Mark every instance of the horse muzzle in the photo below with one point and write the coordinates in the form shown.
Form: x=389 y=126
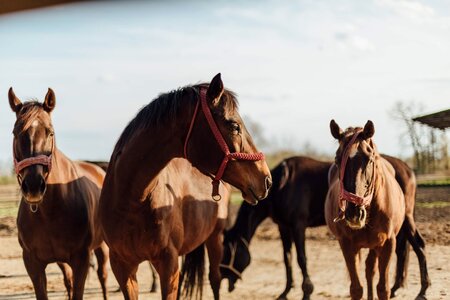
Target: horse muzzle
x=33 y=189
x=356 y=217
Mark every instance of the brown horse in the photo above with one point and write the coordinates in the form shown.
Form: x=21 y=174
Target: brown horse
x=155 y=207
x=296 y=201
x=365 y=206
x=57 y=219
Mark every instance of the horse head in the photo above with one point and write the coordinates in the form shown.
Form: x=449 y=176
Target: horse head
x=33 y=144
x=356 y=160
x=218 y=143
x=236 y=258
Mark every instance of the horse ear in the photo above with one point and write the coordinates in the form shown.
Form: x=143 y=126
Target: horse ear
x=215 y=90
x=369 y=130
x=336 y=131
x=50 y=101
x=14 y=102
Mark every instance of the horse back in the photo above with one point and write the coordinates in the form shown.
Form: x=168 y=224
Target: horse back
x=299 y=187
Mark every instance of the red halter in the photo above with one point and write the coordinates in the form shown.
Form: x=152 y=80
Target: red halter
x=345 y=195
x=220 y=140
x=34 y=160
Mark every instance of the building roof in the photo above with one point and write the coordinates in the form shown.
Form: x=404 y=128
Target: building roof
x=440 y=120
x=9 y=6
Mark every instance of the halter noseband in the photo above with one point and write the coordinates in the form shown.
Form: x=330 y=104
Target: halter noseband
x=233 y=249
x=221 y=141
x=345 y=195
x=45 y=160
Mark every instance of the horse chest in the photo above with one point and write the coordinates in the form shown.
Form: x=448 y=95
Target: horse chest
x=51 y=239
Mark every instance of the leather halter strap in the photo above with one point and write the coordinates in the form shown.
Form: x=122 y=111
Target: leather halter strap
x=220 y=140
x=42 y=159
x=233 y=249
x=345 y=195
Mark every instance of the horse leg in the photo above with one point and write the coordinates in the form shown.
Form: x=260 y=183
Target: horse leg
x=36 y=271
x=102 y=254
x=418 y=244
x=80 y=268
x=287 y=256
x=402 y=251
x=371 y=261
x=68 y=278
x=125 y=273
x=154 y=286
x=350 y=255
x=167 y=267
x=299 y=239
x=215 y=253
x=384 y=257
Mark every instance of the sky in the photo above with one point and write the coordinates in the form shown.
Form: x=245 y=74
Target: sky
x=295 y=65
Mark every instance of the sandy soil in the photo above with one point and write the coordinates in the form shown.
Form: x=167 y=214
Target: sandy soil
x=264 y=279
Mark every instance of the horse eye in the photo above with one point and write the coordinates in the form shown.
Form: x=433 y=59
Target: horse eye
x=236 y=128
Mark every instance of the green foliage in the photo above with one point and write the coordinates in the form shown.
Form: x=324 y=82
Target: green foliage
x=434 y=183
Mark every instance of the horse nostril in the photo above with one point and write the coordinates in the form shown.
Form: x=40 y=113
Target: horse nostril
x=268 y=182
x=362 y=214
x=42 y=186
x=25 y=188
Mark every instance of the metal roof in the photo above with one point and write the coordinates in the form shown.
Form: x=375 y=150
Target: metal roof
x=440 y=120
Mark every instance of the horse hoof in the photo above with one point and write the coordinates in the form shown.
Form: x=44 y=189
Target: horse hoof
x=421 y=297
x=307 y=287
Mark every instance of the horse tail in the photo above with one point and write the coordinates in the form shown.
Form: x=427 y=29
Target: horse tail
x=191 y=277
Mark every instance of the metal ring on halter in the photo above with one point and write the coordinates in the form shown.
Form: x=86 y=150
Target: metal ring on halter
x=34 y=208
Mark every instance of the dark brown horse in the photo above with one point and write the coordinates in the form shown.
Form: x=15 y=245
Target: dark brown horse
x=57 y=219
x=155 y=207
x=296 y=201
x=365 y=207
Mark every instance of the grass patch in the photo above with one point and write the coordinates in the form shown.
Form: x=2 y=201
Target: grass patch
x=5 y=180
x=434 y=183
x=436 y=204
x=236 y=198
x=9 y=211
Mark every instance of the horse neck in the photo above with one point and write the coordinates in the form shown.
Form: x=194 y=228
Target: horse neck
x=249 y=217
x=145 y=155
x=63 y=169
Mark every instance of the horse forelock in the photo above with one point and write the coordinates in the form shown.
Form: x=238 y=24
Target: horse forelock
x=31 y=112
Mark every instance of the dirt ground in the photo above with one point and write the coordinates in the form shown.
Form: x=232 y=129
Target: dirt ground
x=265 y=277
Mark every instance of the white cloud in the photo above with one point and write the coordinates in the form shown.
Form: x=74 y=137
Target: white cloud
x=409 y=8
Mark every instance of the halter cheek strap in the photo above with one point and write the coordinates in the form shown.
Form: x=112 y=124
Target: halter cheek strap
x=221 y=141
x=345 y=195
x=230 y=265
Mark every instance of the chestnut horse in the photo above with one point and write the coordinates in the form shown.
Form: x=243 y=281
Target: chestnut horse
x=57 y=219
x=296 y=201
x=365 y=206
x=155 y=207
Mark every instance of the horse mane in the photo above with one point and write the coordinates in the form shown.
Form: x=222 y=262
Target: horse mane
x=29 y=112
x=167 y=107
